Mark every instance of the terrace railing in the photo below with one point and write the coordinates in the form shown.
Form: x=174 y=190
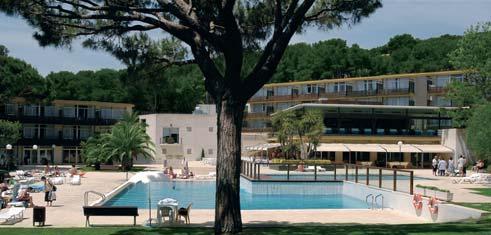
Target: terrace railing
x=388 y=178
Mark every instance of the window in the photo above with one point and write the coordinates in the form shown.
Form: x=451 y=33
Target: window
x=164 y=151
x=28 y=131
x=189 y=129
x=69 y=112
x=106 y=113
x=31 y=110
x=210 y=151
x=11 y=109
x=210 y=129
x=50 y=111
x=170 y=135
x=188 y=151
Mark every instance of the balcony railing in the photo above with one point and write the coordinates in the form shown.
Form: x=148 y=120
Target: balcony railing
x=257 y=115
x=316 y=96
x=265 y=129
x=438 y=90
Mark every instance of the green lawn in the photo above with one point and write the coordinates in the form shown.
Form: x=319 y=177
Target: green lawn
x=471 y=227
x=482 y=191
x=482 y=226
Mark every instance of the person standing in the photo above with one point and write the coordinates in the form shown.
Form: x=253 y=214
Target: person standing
x=442 y=166
x=451 y=167
x=460 y=165
x=434 y=164
x=49 y=189
x=464 y=169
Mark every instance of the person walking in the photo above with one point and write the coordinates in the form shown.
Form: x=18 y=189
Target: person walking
x=434 y=164
x=49 y=189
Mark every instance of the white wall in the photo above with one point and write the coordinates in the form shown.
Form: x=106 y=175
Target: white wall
x=198 y=138
x=402 y=202
x=455 y=140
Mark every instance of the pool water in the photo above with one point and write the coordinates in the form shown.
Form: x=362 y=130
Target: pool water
x=202 y=195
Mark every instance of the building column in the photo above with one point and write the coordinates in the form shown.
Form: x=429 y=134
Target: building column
x=338 y=157
x=373 y=156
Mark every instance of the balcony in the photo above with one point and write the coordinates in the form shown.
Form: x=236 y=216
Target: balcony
x=437 y=90
x=249 y=129
x=257 y=116
x=41 y=119
x=398 y=91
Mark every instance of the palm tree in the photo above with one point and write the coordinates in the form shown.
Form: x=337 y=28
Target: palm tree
x=127 y=140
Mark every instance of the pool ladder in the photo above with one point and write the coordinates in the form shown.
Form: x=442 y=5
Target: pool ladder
x=371 y=198
x=371 y=201
x=86 y=196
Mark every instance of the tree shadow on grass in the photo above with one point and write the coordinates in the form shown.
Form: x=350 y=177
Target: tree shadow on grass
x=272 y=227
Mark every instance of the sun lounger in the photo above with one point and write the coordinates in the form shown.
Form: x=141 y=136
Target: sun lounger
x=57 y=180
x=477 y=178
x=75 y=180
x=11 y=215
x=312 y=168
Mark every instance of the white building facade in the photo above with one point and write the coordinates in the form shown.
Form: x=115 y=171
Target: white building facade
x=183 y=136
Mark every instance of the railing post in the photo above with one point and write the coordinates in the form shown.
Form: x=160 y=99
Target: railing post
x=380 y=177
x=288 y=172
x=315 y=172
x=368 y=175
x=411 y=183
x=356 y=173
x=346 y=175
x=395 y=180
x=334 y=171
x=259 y=171
x=254 y=171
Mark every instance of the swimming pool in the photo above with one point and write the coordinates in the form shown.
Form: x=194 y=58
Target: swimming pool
x=202 y=195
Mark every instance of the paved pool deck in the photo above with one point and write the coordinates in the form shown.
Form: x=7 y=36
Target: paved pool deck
x=67 y=210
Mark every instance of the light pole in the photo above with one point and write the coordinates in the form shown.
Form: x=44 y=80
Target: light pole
x=400 y=147
x=35 y=147
x=53 y=154
x=9 y=156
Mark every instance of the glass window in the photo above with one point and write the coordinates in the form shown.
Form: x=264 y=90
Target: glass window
x=69 y=112
x=84 y=132
x=11 y=109
x=170 y=135
x=189 y=129
x=210 y=151
x=28 y=131
x=210 y=129
x=31 y=110
x=106 y=113
x=188 y=151
x=50 y=111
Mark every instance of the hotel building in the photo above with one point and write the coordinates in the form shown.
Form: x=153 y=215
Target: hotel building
x=54 y=130
x=380 y=110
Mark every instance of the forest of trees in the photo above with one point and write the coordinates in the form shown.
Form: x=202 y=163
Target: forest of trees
x=180 y=88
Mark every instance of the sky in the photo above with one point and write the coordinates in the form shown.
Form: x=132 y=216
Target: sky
x=421 y=18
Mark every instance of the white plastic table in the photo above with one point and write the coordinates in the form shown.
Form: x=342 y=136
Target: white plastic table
x=167 y=203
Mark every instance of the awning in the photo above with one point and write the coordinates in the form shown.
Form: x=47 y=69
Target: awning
x=332 y=148
x=433 y=148
x=365 y=148
x=405 y=148
x=262 y=147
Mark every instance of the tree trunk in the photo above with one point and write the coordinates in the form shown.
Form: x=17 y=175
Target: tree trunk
x=227 y=201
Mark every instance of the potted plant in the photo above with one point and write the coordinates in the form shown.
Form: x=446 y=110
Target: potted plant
x=432 y=191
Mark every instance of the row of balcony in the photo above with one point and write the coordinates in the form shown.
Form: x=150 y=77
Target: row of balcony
x=316 y=96
x=42 y=119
